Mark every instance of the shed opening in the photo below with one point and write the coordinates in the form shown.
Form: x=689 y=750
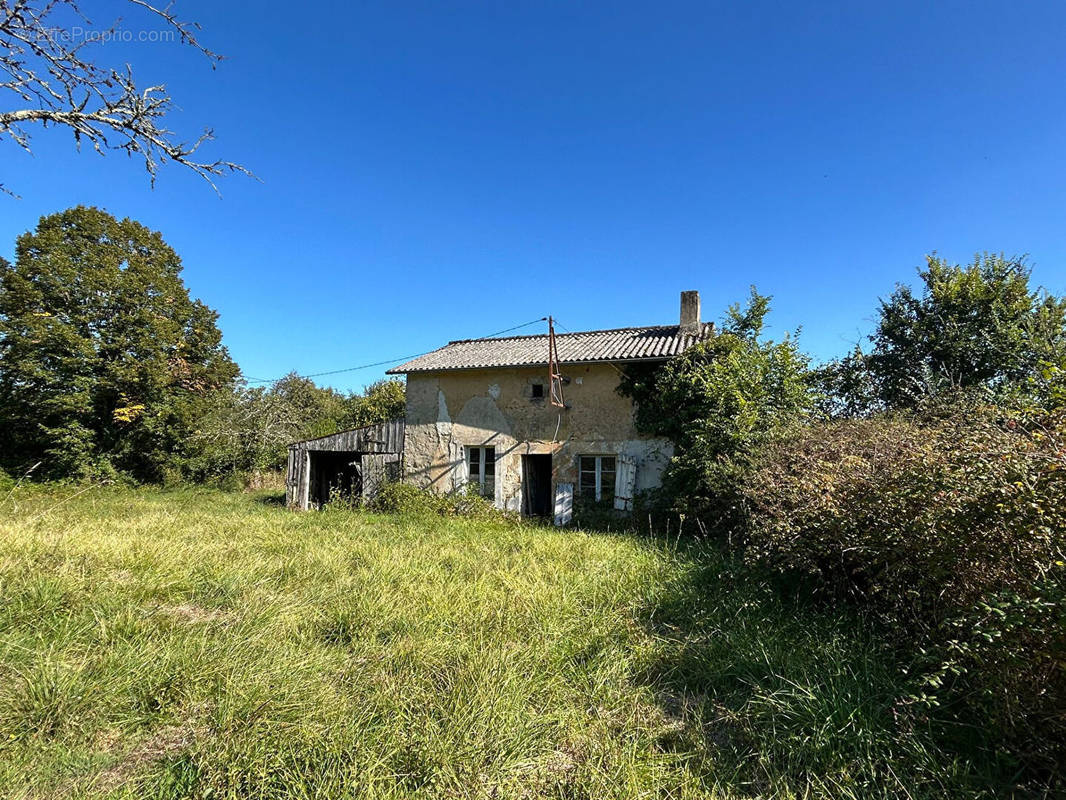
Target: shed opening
x=334 y=477
x=349 y=465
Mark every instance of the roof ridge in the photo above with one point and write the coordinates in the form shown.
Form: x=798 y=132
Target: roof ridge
x=569 y=333
x=636 y=343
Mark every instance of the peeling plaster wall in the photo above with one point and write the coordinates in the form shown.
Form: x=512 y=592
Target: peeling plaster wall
x=448 y=411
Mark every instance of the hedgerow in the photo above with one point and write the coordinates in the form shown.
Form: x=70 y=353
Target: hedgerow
x=952 y=527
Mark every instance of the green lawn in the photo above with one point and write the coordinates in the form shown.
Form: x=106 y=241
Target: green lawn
x=202 y=644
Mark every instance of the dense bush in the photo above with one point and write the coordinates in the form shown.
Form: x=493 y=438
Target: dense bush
x=951 y=526
x=718 y=402
x=403 y=498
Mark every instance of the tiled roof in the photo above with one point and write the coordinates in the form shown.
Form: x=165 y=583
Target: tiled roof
x=623 y=344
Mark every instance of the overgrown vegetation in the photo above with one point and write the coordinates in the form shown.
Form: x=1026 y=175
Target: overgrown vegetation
x=980 y=329
x=109 y=370
x=926 y=490
x=403 y=498
x=249 y=430
x=953 y=529
x=192 y=643
x=910 y=497
x=719 y=402
x=105 y=361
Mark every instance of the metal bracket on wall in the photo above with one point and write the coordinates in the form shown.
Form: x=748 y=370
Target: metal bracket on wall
x=555 y=379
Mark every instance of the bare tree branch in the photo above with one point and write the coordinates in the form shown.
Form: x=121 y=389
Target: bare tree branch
x=45 y=73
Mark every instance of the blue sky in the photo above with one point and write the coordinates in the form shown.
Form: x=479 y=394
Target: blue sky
x=436 y=171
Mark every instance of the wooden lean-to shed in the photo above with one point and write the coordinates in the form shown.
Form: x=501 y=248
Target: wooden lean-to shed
x=346 y=465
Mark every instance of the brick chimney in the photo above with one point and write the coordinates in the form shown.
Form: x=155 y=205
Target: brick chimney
x=690 y=313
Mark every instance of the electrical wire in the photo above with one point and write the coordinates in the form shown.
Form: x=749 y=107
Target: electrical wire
x=394 y=360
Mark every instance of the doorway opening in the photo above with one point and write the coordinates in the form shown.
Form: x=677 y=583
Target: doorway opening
x=334 y=476
x=537 y=485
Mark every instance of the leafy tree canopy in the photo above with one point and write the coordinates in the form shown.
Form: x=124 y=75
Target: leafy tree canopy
x=975 y=327
x=718 y=401
x=105 y=360
x=380 y=401
x=249 y=430
x=846 y=388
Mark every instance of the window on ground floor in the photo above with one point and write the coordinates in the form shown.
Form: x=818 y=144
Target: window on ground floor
x=597 y=477
x=481 y=464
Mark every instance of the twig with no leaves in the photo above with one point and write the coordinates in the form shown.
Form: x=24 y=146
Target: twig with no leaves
x=58 y=85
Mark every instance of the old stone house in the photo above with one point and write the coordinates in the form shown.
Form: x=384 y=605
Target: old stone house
x=478 y=415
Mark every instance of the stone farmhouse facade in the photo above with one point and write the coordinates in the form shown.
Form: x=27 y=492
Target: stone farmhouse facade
x=479 y=418
x=478 y=415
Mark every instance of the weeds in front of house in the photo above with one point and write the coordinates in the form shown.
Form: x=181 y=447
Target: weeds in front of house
x=192 y=643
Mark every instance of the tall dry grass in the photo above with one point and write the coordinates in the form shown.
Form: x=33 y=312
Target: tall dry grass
x=193 y=643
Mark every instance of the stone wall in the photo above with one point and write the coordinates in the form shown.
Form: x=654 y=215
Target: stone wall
x=448 y=411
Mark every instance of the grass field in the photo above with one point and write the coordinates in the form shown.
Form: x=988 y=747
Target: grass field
x=202 y=644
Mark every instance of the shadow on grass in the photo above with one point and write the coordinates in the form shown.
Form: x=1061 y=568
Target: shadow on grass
x=276 y=499
x=772 y=694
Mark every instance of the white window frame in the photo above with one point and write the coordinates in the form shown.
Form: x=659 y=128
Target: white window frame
x=482 y=451
x=599 y=474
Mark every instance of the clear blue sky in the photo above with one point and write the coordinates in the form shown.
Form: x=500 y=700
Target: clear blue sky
x=435 y=171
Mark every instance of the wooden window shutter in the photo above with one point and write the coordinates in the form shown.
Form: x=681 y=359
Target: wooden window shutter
x=625 y=479
x=564 y=503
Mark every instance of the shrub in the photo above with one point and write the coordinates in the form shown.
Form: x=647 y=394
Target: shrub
x=403 y=498
x=600 y=515
x=951 y=526
x=718 y=402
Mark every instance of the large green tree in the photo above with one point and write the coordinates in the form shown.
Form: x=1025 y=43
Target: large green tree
x=380 y=401
x=250 y=429
x=718 y=402
x=980 y=327
x=105 y=360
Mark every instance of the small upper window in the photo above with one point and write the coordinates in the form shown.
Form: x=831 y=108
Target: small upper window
x=538 y=391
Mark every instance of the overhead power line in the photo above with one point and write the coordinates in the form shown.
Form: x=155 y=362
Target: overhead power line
x=393 y=360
